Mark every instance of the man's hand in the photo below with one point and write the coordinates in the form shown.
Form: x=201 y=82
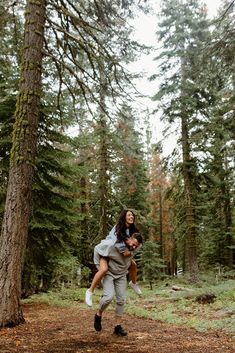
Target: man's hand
x=126 y=253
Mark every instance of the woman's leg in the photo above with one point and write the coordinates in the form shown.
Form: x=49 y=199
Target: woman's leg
x=103 y=269
x=133 y=277
x=133 y=272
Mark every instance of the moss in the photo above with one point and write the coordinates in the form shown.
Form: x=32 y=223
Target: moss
x=24 y=98
x=19 y=159
x=38 y=32
x=35 y=2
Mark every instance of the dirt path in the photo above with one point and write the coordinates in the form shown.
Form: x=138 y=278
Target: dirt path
x=61 y=330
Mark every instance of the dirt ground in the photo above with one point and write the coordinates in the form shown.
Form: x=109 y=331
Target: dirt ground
x=61 y=330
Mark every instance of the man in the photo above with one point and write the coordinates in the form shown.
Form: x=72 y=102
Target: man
x=114 y=281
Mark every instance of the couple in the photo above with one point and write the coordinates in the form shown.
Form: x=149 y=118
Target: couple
x=113 y=258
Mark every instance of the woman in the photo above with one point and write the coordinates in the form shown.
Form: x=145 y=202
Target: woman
x=124 y=228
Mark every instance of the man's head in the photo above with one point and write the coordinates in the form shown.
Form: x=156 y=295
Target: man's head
x=134 y=241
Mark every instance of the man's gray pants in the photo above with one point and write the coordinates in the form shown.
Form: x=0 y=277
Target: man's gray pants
x=112 y=286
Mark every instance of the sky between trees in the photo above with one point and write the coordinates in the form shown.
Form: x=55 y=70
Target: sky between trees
x=145 y=32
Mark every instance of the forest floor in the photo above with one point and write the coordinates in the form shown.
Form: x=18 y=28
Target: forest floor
x=54 y=329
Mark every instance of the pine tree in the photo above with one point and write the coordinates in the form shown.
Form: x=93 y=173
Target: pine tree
x=10 y=38
x=58 y=235
x=213 y=138
x=182 y=32
x=17 y=209
x=151 y=262
x=161 y=228
x=130 y=164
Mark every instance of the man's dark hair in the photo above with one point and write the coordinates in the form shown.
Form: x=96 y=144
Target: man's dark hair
x=138 y=237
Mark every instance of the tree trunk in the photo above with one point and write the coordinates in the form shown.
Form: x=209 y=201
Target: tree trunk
x=160 y=223
x=190 y=236
x=103 y=182
x=173 y=256
x=18 y=201
x=227 y=212
x=84 y=244
x=191 y=264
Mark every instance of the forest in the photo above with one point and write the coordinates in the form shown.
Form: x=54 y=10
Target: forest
x=76 y=148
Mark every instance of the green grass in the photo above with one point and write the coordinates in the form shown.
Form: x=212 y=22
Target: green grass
x=181 y=308
x=164 y=304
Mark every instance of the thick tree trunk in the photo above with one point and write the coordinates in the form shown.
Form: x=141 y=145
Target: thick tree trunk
x=18 y=201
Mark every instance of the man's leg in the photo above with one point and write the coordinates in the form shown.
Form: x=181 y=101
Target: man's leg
x=120 y=290
x=107 y=296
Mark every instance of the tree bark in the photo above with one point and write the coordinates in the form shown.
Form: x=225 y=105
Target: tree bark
x=18 y=201
x=190 y=236
x=84 y=243
x=191 y=264
x=160 y=223
x=103 y=187
x=227 y=211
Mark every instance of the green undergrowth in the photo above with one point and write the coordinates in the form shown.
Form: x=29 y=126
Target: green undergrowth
x=169 y=301
x=177 y=303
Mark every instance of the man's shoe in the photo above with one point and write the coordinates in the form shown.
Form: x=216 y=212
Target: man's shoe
x=118 y=330
x=135 y=287
x=97 y=323
x=88 y=298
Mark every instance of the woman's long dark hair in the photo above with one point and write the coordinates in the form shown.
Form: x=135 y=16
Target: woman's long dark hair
x=121 y=226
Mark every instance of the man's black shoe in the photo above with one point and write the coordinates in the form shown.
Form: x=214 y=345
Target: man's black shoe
x=97 y=323
x=118 y=330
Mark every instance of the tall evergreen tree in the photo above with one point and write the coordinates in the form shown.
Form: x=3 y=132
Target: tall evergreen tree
x=51 y=229
x=213 y=139
x=11 y=37
x=161 y=228
x=18 y=202
x=183 y=30
x=130 y=165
